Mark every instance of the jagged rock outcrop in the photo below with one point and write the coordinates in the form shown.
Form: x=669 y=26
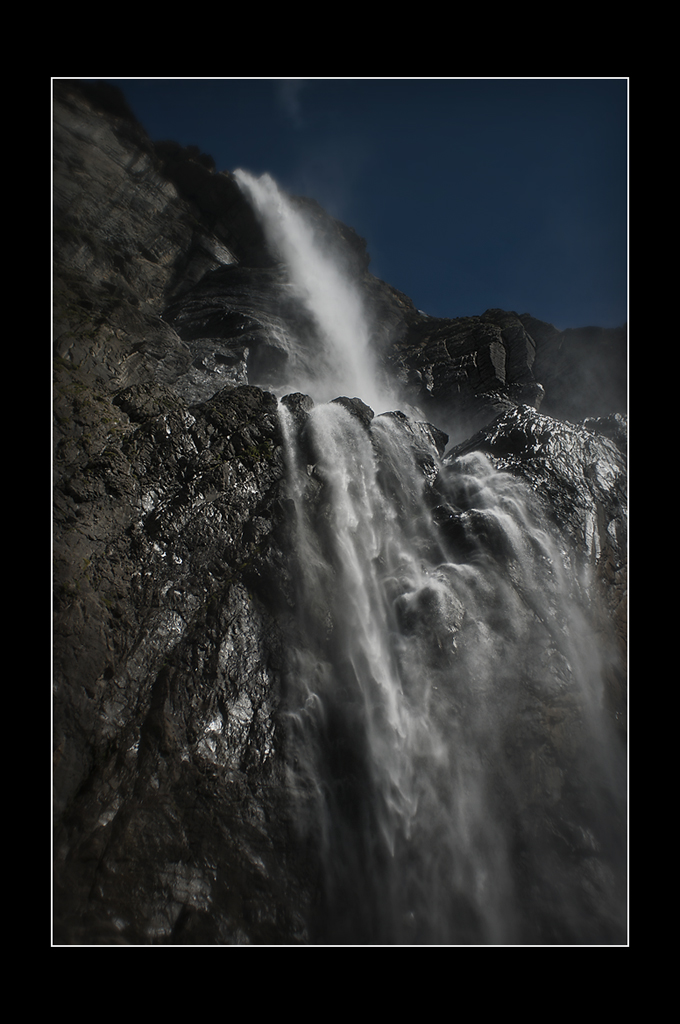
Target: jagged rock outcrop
x=172 y=587
x=167 y=675
x=468 y=370
x=578 y=473
x=167 y=657
x=584 y=370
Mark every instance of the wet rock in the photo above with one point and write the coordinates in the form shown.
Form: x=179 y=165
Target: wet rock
x=146 y=401
x=583 y=370
x=579 y=477
x=614 y=426
x=173 y=587
x=167 y=677
x=357 y=408
x=468 y=370
x=579 y=474
x=299 y=406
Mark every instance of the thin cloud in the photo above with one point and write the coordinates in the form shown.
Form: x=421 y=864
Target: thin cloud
x=289 y=90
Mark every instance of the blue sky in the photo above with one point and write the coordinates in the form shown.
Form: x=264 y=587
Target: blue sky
x=470 y=193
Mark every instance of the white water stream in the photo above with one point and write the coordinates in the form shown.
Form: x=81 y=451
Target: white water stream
x=452 y=761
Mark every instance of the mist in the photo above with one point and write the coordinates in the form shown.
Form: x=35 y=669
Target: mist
x=439 y=618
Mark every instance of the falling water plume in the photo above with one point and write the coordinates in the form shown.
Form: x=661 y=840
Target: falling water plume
x=453 y=765
x=341 y=362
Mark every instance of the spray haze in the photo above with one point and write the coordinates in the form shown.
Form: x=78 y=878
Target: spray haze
x=341 y=362
x=430 y=665
x=451 y=759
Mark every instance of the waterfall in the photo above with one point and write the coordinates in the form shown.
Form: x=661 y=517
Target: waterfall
x=449 y=755
x=341 y=361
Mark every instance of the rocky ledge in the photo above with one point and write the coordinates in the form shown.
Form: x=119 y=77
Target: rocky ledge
x=172 y=588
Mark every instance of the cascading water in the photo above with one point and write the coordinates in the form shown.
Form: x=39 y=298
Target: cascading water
x=451 y=761
x=341 y=361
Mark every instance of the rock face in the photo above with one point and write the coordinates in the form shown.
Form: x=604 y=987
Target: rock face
x=578 y=472
x=169 y=668
x=176 y=817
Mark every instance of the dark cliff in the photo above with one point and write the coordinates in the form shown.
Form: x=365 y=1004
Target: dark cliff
x=172 y=587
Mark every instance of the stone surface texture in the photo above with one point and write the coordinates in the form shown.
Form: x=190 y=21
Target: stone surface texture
x=172 y=591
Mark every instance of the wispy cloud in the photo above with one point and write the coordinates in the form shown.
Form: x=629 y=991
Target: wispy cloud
x=289 y=90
